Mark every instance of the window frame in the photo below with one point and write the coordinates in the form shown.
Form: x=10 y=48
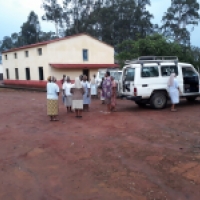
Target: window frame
x=15 y=55
x=6 y=57
x=87 y=57
x=26 y=54
x=148 y=67
x=169 y=65
x=39 y=51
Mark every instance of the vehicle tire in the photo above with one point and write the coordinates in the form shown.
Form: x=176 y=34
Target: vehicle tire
x=158 y=100
x=192 y=98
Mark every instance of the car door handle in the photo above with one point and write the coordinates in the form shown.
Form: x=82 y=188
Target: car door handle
x=145 y=85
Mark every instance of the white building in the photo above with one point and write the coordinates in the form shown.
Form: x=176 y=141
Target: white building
x=74 y=55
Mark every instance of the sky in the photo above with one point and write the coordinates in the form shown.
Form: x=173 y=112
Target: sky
x=13 y=13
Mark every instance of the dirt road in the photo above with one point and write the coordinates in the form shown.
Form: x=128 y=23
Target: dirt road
x=133 y=154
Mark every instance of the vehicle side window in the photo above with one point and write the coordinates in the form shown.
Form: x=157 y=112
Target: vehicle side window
x=188 y=72
x=167 y=70
x=149 y=72
x=129 y=74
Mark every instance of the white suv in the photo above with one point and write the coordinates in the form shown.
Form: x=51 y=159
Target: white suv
x=144 y=80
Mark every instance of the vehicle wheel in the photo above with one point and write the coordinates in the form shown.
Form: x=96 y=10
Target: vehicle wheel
x=192 y=98
x=158 y=100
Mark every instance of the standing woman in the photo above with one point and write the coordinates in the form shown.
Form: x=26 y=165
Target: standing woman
x=173 y=91
x=77 y=98
x=107 y=91
x=93 y=87
x=52 y=98
x=68 y=95
x=114 y=94
x=102 y=98
x=86 y=96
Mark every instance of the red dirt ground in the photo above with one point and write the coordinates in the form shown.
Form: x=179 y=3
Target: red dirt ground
x=133 y=154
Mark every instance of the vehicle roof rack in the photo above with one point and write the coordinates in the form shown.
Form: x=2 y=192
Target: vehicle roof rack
x=153 y=59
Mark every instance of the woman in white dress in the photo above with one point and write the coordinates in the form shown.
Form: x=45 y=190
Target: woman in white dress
x=52 y=98
x=86 y=96
x=173 y=91
x=77 y=98
x=93 y=87
x=68 y=95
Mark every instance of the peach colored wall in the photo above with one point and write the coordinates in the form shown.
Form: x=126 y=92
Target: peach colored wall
x=63 y=51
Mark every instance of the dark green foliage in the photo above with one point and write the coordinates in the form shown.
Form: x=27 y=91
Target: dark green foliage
x=157 y=45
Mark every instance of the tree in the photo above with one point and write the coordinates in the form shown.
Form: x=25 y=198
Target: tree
x=156 y=45
x=30 y=30
x=180 y=15
x=53 y=13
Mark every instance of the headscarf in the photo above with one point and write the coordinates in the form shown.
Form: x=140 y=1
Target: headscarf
x=49 y=79
x=171 y=79
x=77 y=83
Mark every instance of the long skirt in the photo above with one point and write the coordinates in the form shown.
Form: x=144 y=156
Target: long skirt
x=52 y=107
x=102 y=98
x=93 y=89
x=77 y=104
x=174 y=95
x=113 y=100
x=68 y=101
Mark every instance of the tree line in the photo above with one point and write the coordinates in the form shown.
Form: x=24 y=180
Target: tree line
x=116 y=22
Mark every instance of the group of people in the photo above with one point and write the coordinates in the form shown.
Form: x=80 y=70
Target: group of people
x=77 y=97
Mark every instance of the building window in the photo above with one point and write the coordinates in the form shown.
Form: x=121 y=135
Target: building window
x=7 y=73
x=15 y=55
x=40 y=51
x=16 y=74
x=28 y=77
x=85 y=55
x=6 y=57
x=26 y=53
x=41 y=74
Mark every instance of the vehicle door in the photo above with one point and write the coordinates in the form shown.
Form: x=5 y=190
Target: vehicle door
x=166 y=70
x=149 y=79
x=190 y=80
x=127 y=81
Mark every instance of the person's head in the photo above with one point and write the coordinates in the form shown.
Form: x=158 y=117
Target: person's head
x=107 y=74
x=81 y=77
x=68 y=79
x=64 y=76
x=53 y=79
x=49 y=79
x=84 y=78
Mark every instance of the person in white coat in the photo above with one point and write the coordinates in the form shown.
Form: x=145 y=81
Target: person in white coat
x=174 y=90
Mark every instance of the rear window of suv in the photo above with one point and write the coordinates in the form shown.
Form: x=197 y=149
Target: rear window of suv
x=130 y=74
x=168 y=69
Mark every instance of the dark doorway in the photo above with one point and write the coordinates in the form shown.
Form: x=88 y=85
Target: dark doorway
x=28 y=77
x=1 y=77
x=16 y=74
x=41 y=74
x=7 y=74
x=86 y=72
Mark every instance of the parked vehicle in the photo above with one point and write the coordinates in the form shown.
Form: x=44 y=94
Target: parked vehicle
x=144 y=80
